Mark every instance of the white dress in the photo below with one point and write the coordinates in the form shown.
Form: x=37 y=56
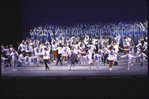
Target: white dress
x=88 y=59
x=111 y=55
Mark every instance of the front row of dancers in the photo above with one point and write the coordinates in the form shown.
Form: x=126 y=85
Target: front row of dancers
x=73 y=56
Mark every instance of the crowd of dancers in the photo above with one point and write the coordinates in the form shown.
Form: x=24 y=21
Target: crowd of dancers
x=82 y=44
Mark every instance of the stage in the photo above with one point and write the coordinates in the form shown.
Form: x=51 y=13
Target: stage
x=59 y=71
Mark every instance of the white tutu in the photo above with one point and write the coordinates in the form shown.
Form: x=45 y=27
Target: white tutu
x=111 y=58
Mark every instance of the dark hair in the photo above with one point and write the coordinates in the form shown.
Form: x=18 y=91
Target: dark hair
x=45 y=48
x=142 y=42
x=111 y=47
x=60 y=44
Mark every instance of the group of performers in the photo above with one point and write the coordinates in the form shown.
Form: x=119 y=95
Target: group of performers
x=132 y=29
x=80 y=45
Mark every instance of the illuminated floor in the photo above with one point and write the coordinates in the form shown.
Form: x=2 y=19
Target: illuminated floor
x=80 y=71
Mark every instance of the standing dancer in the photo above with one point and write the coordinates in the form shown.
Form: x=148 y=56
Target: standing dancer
x=36 y=49
x=72 y=57
x=128 y=58
x=64 y=53
x=142 y=59
x=111 y=57
x=131 y=48
x=83 y=53
x=59 y=54
x=27 y=61
x=14 y=55
x=91 y=48
x=2 y=62
x=97 y=59
x=46 y=56
x=78 y=55
x=88 y=60
x=54 y=47
x=20 y=60
x=116 y=49
x=7 y=52
x=125 y=46
x=31 y=59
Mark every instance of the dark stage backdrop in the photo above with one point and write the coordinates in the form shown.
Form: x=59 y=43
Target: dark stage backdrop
x=11 y=29
x=23 y=15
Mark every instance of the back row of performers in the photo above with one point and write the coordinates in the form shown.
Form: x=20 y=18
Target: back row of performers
x=74 y=50
x=134 y=30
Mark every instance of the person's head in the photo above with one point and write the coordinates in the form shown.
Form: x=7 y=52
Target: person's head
x=114 y=43
x=113 y=40
x=87 y=53
x=141 y=51
x=7 y=46
x=27 y=54
x=111 y=47
x=60 y=44
x=65 y=45
x=46 y=44
x=72 y=48
x=100 y=47
x=22 y=53
x=142 y=42
x=124 y=38
x=81 y=45
x=103 y=37
x=45 y=49
x=96 y=52
x=14 y=49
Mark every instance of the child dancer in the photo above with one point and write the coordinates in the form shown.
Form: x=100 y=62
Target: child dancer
x=142 y=58
x=83 y=53
x=116 y=49
x=7 y=52
x=46 y=56
x=128 y=58
x=111 y=57
x=2 y=62
x=105 y=54
x=101 y=53
x=131 y=48
x=78 y=55
x=91 y=48
x=27 y=61
x=31 y=60
x=125 y=45
x=36 y=49
x=20 y=60
x=59 y=54
x=88 y=60
x=97 y=59
x=138 y=49
x=64 y=53
x=14 y=55
x=54 y=47
x=72 y=58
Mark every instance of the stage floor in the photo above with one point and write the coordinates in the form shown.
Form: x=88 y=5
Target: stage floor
x=80 y=71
